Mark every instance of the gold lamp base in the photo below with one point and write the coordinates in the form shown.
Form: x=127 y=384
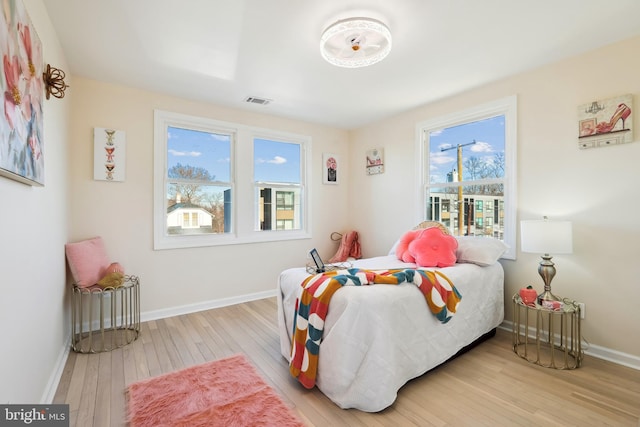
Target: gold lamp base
x=547 y=271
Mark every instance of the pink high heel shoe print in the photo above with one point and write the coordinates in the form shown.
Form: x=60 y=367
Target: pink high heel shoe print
x=621 y=113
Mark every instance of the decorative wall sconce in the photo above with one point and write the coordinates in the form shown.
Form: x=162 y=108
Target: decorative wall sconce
x=54 y=82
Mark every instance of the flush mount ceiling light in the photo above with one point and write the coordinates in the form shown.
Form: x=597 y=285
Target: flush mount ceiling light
x=355 y=42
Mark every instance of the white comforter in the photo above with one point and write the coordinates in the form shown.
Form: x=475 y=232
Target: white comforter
x=376 y=338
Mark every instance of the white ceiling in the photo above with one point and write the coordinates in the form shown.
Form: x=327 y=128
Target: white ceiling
x=222 y=51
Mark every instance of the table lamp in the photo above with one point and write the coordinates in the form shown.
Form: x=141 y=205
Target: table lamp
x=546 y=237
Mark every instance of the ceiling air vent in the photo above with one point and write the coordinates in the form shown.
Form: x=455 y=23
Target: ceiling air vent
x=256 y=100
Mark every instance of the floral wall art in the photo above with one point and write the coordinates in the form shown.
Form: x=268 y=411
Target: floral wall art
x=108 y=154
x=605 y=122
x=21 y=139
x=330 y=169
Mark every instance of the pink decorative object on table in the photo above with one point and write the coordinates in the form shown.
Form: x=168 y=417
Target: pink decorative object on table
x=528 y=296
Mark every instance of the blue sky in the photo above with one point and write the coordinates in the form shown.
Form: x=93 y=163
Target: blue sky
x=489 y=137
x=200 y=149
x=274 y=161
x=280 y=162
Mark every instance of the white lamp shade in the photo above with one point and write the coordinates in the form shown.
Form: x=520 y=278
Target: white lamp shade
x=546 y=237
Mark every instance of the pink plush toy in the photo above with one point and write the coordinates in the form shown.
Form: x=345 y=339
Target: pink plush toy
x=428 y=247
x=402 y=250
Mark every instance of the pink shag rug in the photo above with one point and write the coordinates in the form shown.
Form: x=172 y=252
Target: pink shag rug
x=226 y=392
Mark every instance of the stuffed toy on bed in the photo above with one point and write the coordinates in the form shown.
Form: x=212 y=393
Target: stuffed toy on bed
x=428 y=247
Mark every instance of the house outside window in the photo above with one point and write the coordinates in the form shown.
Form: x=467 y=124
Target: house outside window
x=467 y=167
x=203 y=170
x=184 y=218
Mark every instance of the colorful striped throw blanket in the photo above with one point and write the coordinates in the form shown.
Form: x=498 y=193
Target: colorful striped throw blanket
x=311 y=308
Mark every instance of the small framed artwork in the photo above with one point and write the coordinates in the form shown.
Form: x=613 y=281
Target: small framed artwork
x=605 y=122
x=108 y=154
x=375 y=161
x=330 y=169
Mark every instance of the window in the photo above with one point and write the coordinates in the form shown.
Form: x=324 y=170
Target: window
x=203 y=175
x=467 y=167
x=277 y=178
x=196 y=178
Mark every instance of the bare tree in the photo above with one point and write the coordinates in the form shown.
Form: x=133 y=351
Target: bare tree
x=214 y=203
x=478 y=168
x=189 y=192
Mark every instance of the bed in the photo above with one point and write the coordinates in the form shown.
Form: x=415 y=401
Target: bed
x=378 y=337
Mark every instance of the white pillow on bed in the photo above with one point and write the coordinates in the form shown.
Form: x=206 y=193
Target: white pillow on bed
x=392 y=251
x=479 y=250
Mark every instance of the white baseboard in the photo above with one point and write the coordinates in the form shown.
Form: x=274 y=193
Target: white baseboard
x=597 y=351
x=207 y=305
x=54 y=379
x=184 y=309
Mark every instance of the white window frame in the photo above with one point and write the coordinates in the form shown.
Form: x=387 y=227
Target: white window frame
x=243 y=208
x=505 y=106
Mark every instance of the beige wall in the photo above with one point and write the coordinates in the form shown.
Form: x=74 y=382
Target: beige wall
x=594 y=188
x=122 y=212
x=34 y=322
x=591 y=187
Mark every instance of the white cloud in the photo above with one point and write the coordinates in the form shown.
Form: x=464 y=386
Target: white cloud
x=185 y=153
x=218 y=137
x=441 y=158
x=277 y=160
x=481 y=147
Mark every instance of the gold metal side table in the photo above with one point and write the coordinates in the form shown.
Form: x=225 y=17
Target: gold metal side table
x=546 y=337
x=104 y=319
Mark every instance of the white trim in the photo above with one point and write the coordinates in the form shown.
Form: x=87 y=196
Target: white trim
x=49 y=392
x=206 y=305
x=599 y=352
x=242 y=184
x=618 y=357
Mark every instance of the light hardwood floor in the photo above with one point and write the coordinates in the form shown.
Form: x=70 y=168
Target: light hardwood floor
x=488 y=386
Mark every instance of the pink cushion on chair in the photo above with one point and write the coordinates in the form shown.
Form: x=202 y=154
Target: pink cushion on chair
x=88 y=261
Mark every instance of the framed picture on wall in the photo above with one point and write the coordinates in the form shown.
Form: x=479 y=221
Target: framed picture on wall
x=21 y=125
x=605 y=122
x=375 y=161
x=330 y=168
x=109 y=154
